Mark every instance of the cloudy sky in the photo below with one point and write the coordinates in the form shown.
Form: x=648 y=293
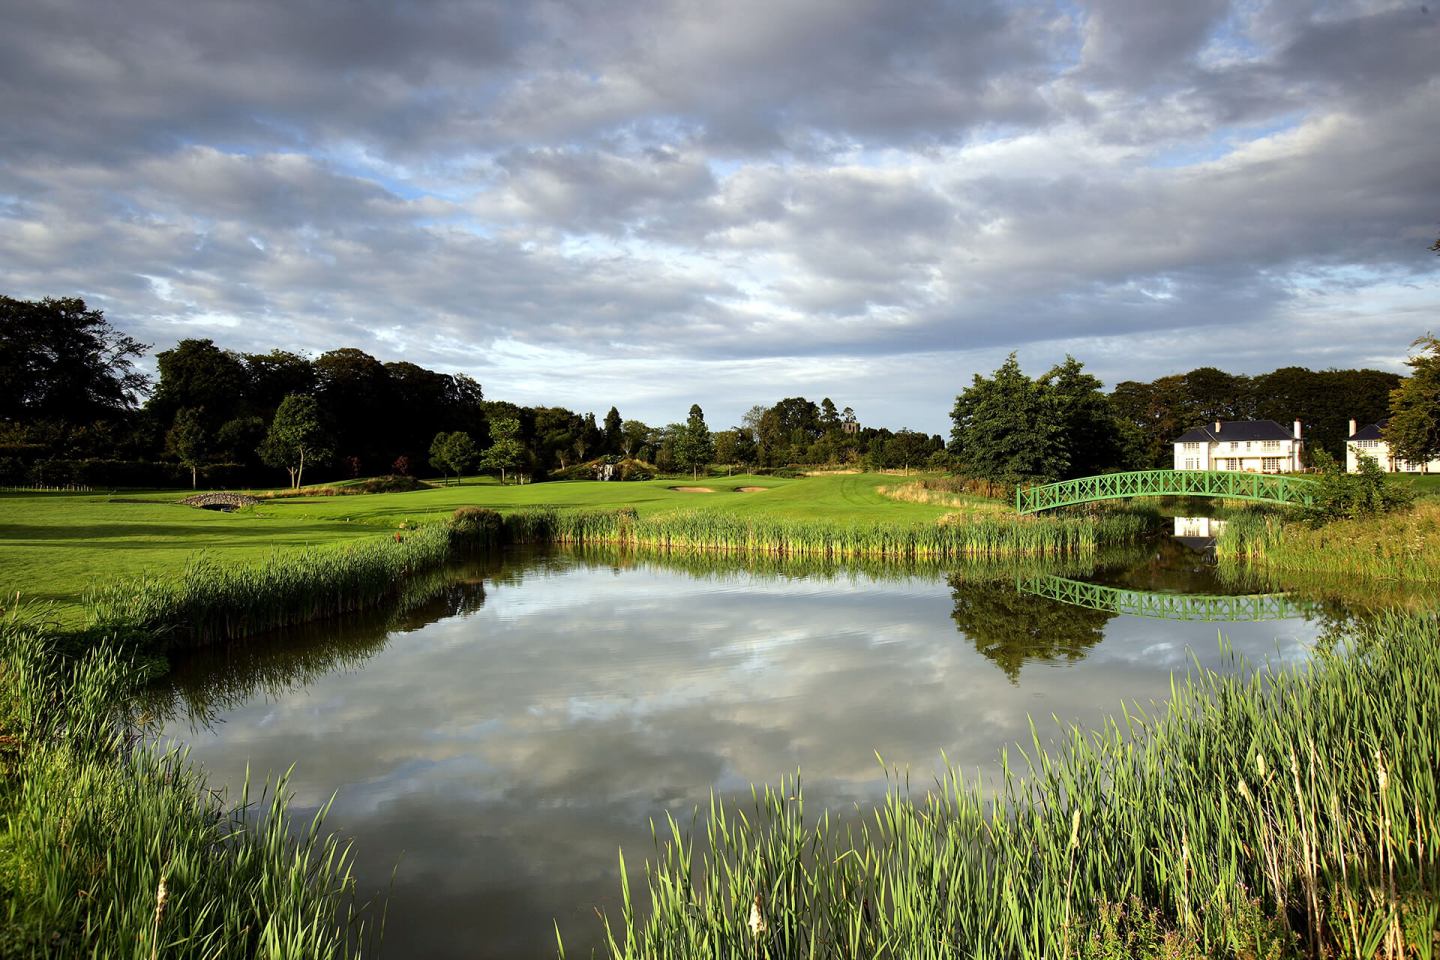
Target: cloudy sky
x=657 y=202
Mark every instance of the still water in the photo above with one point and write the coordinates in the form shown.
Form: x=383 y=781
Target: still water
x=492 y=752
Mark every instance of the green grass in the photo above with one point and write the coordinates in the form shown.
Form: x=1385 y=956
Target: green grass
x=1286 y=813
x=58 y=546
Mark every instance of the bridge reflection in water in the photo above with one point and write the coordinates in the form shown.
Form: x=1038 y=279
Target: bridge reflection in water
x=1168 y=606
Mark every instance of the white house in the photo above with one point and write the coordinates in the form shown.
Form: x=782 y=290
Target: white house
x=1370 y=442
x=1251 y=446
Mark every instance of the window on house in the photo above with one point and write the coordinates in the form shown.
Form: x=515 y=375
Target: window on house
x=1272 y=444
x=1272 y=463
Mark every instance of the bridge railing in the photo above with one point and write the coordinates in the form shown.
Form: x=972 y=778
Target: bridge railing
x=1228 y=484
x=1168 y=606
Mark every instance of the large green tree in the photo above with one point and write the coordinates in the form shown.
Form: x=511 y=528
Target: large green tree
x=1009 y=428
x=357 y=395
x=62 y=361
x=1091 y=431
x=297 y=437
x=694 y=447
x=189 y=441
x=505 y=452
x=613 y=425
x=633 y=434
x=197 y=375
x=453 y=452
x=1413 y=432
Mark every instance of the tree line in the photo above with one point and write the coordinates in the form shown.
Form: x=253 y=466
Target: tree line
x=73 y=400
x=71 y=397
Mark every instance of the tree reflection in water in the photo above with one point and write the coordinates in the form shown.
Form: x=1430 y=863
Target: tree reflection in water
x=1012 y=629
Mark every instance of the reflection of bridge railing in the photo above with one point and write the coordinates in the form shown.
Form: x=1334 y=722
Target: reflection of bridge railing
x=1166 y=606
x=1229 y=484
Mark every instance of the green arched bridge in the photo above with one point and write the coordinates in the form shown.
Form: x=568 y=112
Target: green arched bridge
x=1168 y=606
x=1229 y=484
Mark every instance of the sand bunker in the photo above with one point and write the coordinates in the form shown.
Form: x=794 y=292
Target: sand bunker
x=751 y=489
x=692 y=489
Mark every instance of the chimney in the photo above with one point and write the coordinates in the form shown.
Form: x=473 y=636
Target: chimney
x=1217 y=427
x=1297 y=429
x=1352 y=428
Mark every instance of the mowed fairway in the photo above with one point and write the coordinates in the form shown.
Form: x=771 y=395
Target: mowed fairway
x=54 y=546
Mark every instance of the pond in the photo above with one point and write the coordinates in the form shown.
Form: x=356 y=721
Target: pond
x=493 y=751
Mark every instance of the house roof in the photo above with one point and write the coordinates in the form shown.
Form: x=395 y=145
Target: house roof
x=1236 y=430
x=1375 y=431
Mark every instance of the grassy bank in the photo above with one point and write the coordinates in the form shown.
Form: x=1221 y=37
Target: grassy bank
x=109 y=847
x=1294 y=812
x=57 y=546
x=1404 y=545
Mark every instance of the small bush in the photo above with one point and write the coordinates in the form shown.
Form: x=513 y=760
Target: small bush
x=1347 y=496
x=394 y=483
x=476 y=527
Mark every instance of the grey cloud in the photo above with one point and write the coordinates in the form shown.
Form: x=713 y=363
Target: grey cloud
x=1143 y=43
x=760 y=192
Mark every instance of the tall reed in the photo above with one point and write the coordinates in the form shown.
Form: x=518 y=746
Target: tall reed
x=109 y=847
x=1404 y=545
x=702 y=531
x=214 y=601
x=1271 y=813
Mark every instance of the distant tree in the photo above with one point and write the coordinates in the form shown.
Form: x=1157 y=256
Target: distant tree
x=357 y=394
x=788 y=429
x=751 y=421
x=908 y=448
x=297 y=437
x=460 y=452
x=829 y=416
x=453 y=452
x=1009 y=428
x=694 y=448
x=506 y=452
x=1213 y=394
x=236 y=440
x=1413 y=432
x=188 y=441
x=401 y=466
x=632 y=438
x=60 y=360
x=734 y=447
x=664 y=440
x=613 y=426
x=556 y=432
x=271 y=377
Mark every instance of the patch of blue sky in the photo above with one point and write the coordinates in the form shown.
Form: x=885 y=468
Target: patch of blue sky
x=722 y=168
x=1221 y=142
x=1067 y=52
x=1232 y=40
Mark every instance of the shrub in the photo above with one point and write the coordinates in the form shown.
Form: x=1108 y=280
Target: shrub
x=1346 y=496
x=475 y=527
